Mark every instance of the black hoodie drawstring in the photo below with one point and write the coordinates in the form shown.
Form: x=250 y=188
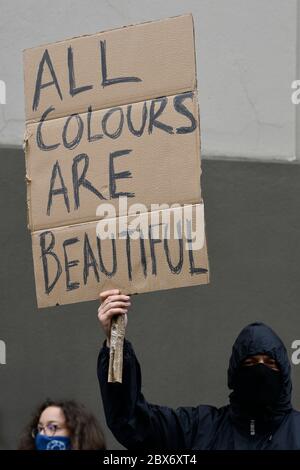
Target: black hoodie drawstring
x=252 y=427
x=252 y=430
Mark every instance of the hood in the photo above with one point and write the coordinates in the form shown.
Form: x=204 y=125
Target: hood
x=258 y=338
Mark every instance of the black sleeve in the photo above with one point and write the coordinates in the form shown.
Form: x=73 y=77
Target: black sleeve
x=135 y=423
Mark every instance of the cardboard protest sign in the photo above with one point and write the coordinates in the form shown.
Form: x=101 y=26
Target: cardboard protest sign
x=112 y=136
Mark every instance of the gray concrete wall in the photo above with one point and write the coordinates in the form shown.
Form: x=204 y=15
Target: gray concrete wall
x=252 y=215
x=246 y=57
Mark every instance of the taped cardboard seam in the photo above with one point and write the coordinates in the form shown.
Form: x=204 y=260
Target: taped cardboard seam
x=34 y=122
x=91 y=222
x=145 y=97
x=90 y=290
x=30 y=131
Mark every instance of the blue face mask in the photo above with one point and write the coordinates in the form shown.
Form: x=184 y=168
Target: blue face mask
x=43 y=442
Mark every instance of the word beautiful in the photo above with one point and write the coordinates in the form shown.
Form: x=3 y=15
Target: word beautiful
x=110 y=257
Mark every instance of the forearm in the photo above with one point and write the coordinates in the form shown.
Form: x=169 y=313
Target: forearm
x=123 y=402
x=135 y=423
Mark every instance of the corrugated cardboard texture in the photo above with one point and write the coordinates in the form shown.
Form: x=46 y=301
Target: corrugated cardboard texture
x=160 y=54
x=76 y=266
x=164 y=163
x=107 y=115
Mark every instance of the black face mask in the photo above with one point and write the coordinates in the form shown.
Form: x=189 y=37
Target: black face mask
x=257 y=387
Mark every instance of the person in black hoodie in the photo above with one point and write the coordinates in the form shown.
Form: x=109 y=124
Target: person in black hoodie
x=259 y=414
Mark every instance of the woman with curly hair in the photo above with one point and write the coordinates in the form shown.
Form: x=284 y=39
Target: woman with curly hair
x=62 y=425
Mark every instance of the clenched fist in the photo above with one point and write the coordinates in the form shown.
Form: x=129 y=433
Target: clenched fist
x=112 y=303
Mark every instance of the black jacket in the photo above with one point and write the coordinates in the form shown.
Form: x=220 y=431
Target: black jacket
x=137 y=424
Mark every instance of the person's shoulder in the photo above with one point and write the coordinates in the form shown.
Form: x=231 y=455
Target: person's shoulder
x=295 y=414
x=205 y=412
x=213 y=410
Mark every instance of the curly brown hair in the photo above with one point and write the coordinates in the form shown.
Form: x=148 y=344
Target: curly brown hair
x=85 y=431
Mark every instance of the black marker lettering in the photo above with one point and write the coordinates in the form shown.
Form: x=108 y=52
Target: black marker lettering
x=70 y=264
x=72 y=85
x=118 y=131
x=39 y=138
x=128 y=254
x=140 y=131
x=174 y=269
x=54 y=192
x=153 y=122
x=114 y=176
x=114 y=258
x=143 y=254
x=152 y=242
x=45 y=252
x=95 y=137
x=73 y=143
x=89 y=260
x=39 y=85
x=193 y=269
x=112 y=81
x=81 y=180
x=181 y=108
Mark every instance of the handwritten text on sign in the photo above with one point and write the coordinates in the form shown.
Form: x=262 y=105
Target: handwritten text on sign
x=102 y=124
